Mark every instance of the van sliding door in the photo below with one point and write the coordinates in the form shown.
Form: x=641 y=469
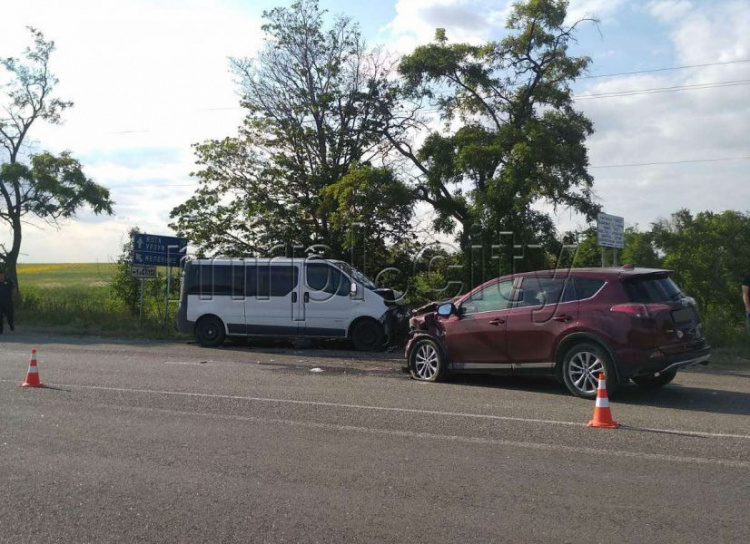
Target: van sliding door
x=272 y=299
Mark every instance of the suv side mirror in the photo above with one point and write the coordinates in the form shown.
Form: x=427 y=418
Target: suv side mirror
x=445 y=310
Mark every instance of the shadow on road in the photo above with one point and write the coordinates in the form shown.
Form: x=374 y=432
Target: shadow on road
x=674 y=396
x=682 y=397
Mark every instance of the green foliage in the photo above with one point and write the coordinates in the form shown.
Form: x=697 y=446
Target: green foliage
x=639 y=249
x=370 y=209
x=43 y=185
x=297 y=172
x=127 y=290
x=512 y=138
x=709 y=253
x=124 y=287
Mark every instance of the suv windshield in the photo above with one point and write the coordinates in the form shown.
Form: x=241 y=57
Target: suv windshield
x=649 y=289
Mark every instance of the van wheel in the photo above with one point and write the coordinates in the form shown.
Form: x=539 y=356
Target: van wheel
x=367 y=335
x=426 y=361
x=209 y=332
x=581 y=368
x=654 y=382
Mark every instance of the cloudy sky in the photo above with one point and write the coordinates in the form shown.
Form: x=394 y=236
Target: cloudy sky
x=149 y=78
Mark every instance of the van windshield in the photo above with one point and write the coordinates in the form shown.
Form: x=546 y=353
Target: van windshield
x=355 y=274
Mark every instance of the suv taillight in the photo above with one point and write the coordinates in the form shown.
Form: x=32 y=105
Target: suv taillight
x=640 y=310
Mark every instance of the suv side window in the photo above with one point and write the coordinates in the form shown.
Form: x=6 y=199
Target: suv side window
x=545 y=291
x=324 y=278
x=587 y=287
x=492 y=298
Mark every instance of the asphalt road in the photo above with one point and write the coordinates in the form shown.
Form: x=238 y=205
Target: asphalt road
x=155 y=442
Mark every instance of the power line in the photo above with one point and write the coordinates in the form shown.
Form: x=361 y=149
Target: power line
x=653 y=70
x=657 y=90
x=604 y=166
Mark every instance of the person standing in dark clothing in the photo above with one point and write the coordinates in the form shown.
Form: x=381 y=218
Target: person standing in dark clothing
x=6 y=302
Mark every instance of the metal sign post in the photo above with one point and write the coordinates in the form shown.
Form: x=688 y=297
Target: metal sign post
x=166 y=298
x=150 y=251
x=140 y=307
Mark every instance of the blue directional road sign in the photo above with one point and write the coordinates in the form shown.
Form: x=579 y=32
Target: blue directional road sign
x=150 y=249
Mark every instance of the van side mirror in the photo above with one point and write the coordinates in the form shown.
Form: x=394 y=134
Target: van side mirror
x=445 y=310
x=353 y=289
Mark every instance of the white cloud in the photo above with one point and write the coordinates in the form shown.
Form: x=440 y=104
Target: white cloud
x=669 y=10
x=604 y=10
x=144 y=75
x=675 y=126
x=469 y=21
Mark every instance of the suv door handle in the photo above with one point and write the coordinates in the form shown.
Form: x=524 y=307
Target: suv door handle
x=563 y=318
x=497 y=321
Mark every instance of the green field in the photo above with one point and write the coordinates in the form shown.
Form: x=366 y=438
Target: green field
x=55 y=276
x=77 y=298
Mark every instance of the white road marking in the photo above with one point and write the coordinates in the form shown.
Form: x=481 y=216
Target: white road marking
x=456 y=438
x=697 y=434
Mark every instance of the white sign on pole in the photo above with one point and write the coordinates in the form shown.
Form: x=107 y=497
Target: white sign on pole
x=143 y=272
x=610 y=230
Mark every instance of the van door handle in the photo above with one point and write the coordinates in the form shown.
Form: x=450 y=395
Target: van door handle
x=294 y=296
x=497 y=321
x=563 y=318
x=307 y=297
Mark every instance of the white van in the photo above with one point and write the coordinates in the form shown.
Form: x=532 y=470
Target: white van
x=286 y=298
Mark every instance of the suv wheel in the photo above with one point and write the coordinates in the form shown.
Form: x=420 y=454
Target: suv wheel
x=209 y=332
x=581 y=368
x=426 y=361
x=654 y=382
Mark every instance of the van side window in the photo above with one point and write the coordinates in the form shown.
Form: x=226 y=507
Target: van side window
x=326 y=279
x=265 y=281
x=214 y=279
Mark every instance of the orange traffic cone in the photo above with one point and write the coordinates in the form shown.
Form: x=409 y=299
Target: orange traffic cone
x=32 y=376
x=602 y=414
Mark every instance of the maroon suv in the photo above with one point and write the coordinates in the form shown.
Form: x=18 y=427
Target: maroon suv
x=632 y=323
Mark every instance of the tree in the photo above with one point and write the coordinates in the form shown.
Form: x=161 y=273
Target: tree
x=639 y=249
x=43 y=185
x=299 y=170
x=709 y=253
x=512 y=138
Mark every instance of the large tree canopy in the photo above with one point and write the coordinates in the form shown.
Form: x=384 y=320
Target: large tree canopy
x=512 y=138
x=301 y=170
x=43 y=185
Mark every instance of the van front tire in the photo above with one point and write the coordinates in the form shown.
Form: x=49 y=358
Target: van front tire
x=367 y=335
x=209 y=332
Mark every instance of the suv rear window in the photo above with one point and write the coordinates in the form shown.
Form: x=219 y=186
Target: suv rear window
x=645 y=290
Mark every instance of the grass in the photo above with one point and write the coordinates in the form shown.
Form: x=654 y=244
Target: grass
x=731 y=358
x=75 y=298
